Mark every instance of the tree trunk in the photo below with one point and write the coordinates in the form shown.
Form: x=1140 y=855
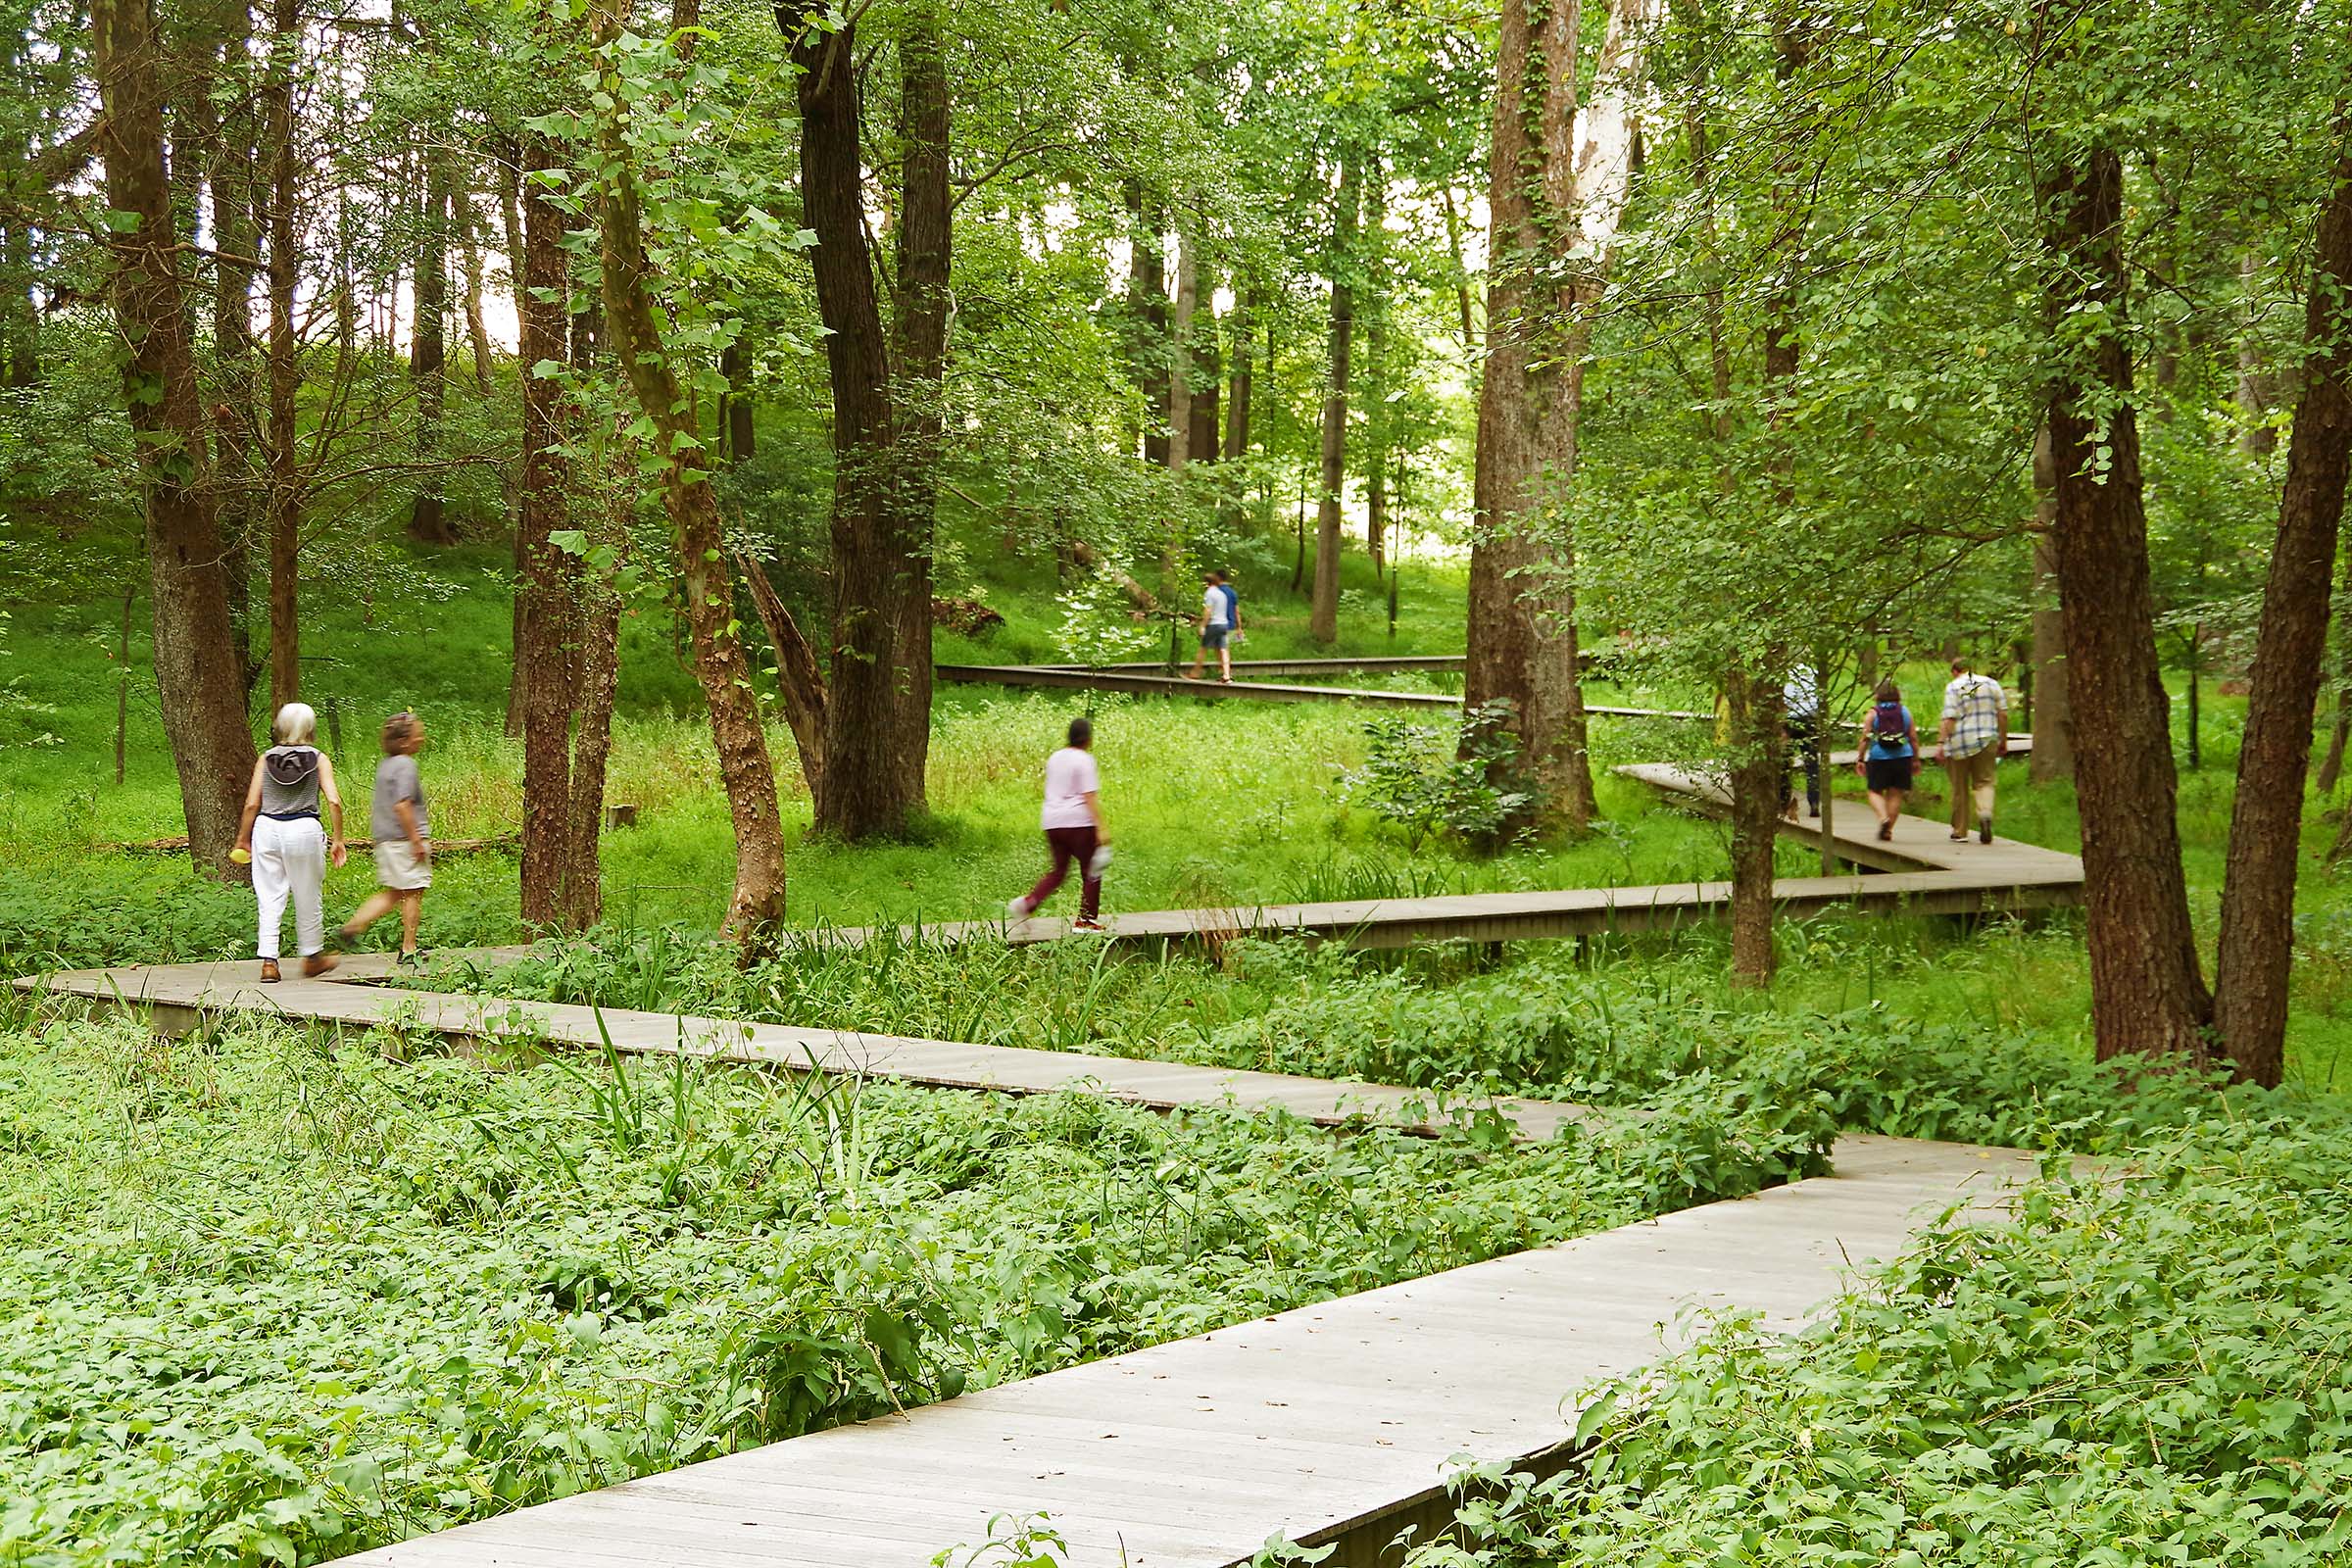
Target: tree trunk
x=877 y=717
x=757 y=908
x=1207 y=376
x=1323 y=611
x=894 y=792
x=581 y=900
x=1147 y=299
x=2266 y=825
x=1238 y=388
x=231 y=185
x=2148 y=996
x=798 y=678
x=548 y=588
x=478 y=330
x=1758 y=774
x=1461 y=269
x=1522 y=637
x=1180 y=352
x=737 y=431
x=2331 y=765
x=284 y=362
x=2053 y=721
x=1377 y=283
x=196 y=664
x=428 y=355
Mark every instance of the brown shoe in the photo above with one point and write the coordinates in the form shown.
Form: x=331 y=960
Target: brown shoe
x=268 y=971
x=318 y=963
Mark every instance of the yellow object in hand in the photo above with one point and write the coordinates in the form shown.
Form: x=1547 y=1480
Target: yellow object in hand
x=241 y=856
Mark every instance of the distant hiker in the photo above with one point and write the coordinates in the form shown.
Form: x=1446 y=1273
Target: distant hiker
x=404 y=851
x=282 y=833
x=1216 y=626
x=1233 y=605
x=1073 y=823
x=1889 y=752
x=1800 y=709
x=1976 y=734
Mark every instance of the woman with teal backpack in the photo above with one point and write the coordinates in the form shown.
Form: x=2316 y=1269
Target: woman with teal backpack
x=1889 y=752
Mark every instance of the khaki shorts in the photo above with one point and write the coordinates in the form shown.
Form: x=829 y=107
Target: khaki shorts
x=398 y=868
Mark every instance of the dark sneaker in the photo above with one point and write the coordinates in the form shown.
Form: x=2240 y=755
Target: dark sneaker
x=1082 y=923
x=413 y=959
x=1984 y=831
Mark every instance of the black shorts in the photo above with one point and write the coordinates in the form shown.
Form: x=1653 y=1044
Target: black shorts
x=1889 y=772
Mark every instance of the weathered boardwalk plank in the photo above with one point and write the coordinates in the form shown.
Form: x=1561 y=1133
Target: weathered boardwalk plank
x=1328 y=1422
x=1151 y=680
x=178 y=993
x=1925 y=874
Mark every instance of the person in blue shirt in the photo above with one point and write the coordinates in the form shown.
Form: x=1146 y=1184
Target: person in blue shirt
x=1219 y=605
x=1890 y=755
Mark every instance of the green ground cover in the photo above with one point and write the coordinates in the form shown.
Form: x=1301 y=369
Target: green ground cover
x=2148 y=1369
x=264 y=1299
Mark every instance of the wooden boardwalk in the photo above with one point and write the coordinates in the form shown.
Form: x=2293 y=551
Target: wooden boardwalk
x=1151 y=680
x=1922 y=871
x=1330 y=1423
x=178 y=994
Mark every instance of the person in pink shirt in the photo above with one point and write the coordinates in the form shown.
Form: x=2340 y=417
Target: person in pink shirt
x=1072 y=818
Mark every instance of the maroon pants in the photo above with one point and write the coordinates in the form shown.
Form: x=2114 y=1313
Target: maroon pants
x=1068 y=843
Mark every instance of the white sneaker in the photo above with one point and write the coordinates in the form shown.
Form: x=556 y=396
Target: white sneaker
x=1016 y=909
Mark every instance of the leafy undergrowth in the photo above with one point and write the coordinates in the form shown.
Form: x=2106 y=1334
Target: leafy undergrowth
x=2156 y=1369
x=265 y=1299
x=1615 y=1033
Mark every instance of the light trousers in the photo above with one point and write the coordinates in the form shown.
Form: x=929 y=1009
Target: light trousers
x=289 y=862
x=1972 y=785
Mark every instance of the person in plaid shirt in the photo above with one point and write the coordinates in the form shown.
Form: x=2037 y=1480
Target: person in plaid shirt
x=1976 y=734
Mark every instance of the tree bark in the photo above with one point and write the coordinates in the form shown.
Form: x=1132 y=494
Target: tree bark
x=918 y=392
x=738 y=431
x=2147 y=995
x=467 y=223
x=1756 y=777
x=1376 y=368
x=877 y=729
x=1148 y=291
x=428 y=355
x=1180 y=352
x=1323 y=609
x=196 y=662
x=1238 y=387
x=548 y=587
x=798 y=677
x=2266 y=824
x=2053 y=723
x=230 y=182
x=1548 y=190
x=756 y=908
x=283 y=513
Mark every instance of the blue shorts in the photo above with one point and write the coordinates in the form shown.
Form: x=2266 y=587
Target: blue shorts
x=1215 y=638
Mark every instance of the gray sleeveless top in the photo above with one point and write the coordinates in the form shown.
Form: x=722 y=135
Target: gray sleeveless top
x=290 y=781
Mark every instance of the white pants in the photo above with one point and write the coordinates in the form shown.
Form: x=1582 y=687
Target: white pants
x=289 y=860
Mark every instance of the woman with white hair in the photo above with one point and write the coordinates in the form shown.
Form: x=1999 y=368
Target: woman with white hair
x=282 y=836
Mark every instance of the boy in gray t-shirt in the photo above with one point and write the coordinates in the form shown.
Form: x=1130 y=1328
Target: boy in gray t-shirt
x=403 y=854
